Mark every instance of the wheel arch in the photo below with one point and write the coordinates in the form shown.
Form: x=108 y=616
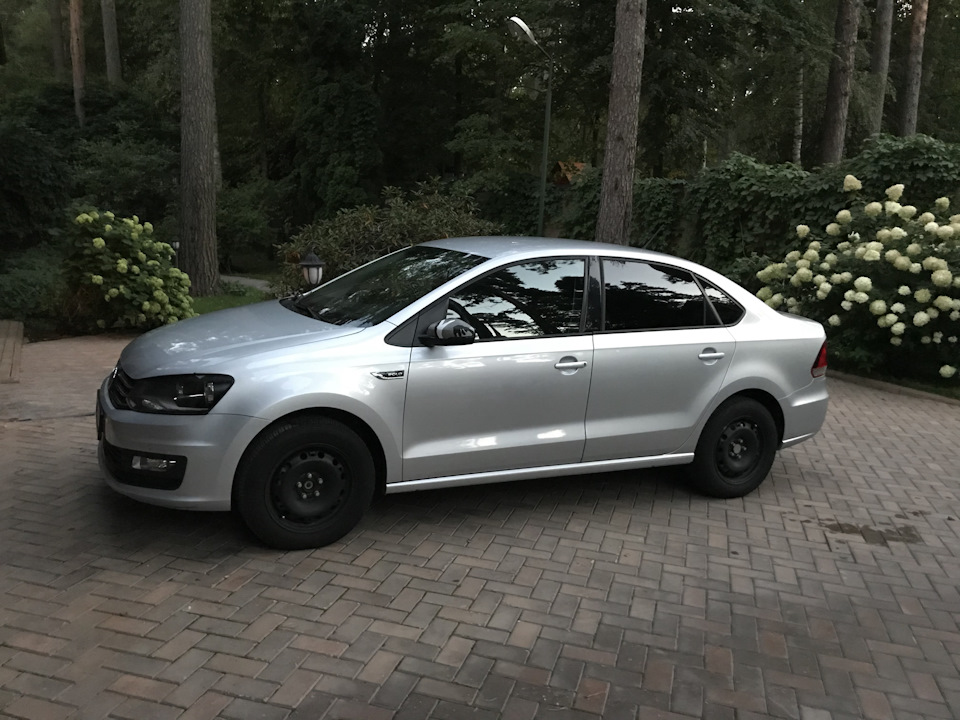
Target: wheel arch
x=768 y=401
x=366 y=433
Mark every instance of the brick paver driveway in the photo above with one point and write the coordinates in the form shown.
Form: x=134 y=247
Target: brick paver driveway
x=830 y=593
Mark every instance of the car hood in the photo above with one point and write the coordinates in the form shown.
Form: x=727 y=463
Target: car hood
x=203 y=343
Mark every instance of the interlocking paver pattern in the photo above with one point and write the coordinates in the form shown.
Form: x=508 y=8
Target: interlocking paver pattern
x=831 y=593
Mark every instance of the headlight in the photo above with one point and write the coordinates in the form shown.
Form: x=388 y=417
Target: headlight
x=183 y=394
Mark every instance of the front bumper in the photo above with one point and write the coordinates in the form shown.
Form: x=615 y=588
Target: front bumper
x=209 y=448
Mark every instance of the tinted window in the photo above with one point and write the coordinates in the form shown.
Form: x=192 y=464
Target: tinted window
x=374 y=292
x=643 y=296
x=727 y=308
x=531 y=299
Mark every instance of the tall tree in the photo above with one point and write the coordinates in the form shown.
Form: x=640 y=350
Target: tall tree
x=56 y=39
x=796 y=155
x=911 y=92
x=78 y=57
x=198 y=120
x=620 y=155
x=111 y=41
x=840 y=81
x=879 y=63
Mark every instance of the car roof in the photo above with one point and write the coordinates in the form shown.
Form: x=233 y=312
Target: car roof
x=497 y=247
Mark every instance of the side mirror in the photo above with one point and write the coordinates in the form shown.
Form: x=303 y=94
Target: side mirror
x=449 y=332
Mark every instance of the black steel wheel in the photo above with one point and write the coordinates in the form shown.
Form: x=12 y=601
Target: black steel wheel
x=305 y=483
x=736 y=449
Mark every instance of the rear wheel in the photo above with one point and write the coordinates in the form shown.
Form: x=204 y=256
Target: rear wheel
x=736 y=449
x=305 y=483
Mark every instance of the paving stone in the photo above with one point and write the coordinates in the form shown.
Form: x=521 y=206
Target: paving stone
x=828 y=594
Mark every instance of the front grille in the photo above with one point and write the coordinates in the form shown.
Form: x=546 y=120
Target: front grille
x=120 y=385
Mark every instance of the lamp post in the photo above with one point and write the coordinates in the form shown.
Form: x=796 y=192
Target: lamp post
x=521 y=30
x=312 y=268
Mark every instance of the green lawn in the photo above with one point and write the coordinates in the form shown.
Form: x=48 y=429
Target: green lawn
x=246 y=296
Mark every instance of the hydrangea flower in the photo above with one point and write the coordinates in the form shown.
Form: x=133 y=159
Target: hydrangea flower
x=814 y=245
x=846 y=305
x=833 y=229
x=925 y=340
x=873 y=209
x=811 y=256
x=920 y=319
x=925 y=218
x=96 y=279
x=915 y=268
x=907 y=212
x=803 y=231
x=922 y=296
x=942 y=203
x=892 y=207
x=878 y=307
x=765 y=293
x=898 y=233
x=904 y=290
x=863 y=284
x=898 y=328
x=948 y=371
x=944 y=232
x=793 y=256
x=894 y=192
x=931 y=227
x=834 y=320
x=850 y=184
x=884 y=235
x=844 y=217
x=895 y=341
x=871 y=255
x=898 y=307
x=860 y=297
x=942 y=278
x=914 y=249
x=831 y=259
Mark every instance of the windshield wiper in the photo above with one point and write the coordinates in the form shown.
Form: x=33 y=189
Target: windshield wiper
x=295 y=303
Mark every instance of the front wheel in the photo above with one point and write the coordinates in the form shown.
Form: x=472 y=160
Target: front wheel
x=736 y=449
x=305 y=483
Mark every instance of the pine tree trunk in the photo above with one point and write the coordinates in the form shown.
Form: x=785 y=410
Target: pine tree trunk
x=840 y=81
x=111 y=41
x=879 y=63
x=911 y=92
x=56 y=40
x=3 y=46
x=78 y=58
x=620 y=154
x=798 y=118
x=198 y=181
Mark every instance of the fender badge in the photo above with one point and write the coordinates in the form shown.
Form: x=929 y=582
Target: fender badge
x=388 y=374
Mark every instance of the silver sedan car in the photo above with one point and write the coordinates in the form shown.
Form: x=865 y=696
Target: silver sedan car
x=459 y=361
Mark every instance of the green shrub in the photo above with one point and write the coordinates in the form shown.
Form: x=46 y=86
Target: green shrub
x=883 y=278
x=357 y=236
x=120 y=276
x=30 y=284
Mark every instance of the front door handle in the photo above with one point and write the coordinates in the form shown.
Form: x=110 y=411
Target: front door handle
x=569 y=363
x=710 y=355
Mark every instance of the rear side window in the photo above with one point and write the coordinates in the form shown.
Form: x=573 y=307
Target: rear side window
x=728 y=310
x=648 y=296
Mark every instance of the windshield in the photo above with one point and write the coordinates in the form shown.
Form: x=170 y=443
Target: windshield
x=372 y=293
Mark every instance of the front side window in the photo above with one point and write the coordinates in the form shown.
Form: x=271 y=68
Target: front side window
x=649 y=296
x=531 y=299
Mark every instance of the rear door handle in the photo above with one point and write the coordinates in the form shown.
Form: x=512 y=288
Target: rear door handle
x=710 y=356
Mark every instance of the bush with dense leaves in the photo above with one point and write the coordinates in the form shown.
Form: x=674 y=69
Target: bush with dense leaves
x=883 y=277
x=357 y=236
x=119 y=275
x=30 y=284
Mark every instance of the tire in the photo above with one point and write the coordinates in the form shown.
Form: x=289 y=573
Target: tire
x=305 y=483
x=736 y=449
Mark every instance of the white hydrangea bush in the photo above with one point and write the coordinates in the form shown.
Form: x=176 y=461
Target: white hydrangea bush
x=883 y=277
x=122 y=276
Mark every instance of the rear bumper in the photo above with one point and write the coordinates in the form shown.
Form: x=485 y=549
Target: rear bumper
x=804 y=412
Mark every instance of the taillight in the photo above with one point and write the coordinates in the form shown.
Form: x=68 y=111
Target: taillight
x=819 y=368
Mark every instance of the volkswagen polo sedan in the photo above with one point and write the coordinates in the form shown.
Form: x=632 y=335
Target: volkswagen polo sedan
x=455 y=362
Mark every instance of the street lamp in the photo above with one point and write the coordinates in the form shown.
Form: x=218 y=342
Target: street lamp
x=521 y=30
x=312 y=268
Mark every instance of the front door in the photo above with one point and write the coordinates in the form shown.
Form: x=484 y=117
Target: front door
x=516 y=397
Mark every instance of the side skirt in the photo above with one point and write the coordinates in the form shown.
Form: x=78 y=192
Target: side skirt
x=539 y=472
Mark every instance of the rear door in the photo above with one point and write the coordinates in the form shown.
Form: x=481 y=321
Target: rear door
x=658 y=362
